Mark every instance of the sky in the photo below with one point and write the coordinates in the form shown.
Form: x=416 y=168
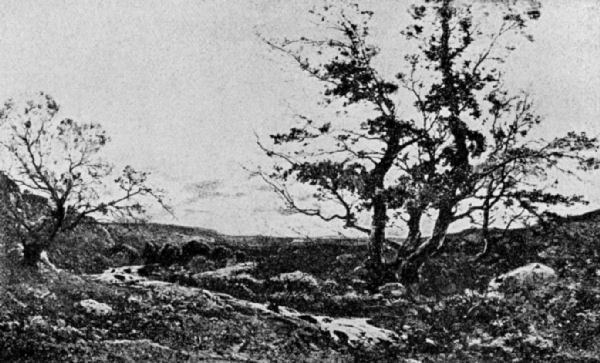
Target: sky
x=182 y=87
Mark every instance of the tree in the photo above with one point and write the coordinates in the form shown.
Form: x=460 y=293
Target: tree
x=58 y=175
x=462 y=140
x=478 y=150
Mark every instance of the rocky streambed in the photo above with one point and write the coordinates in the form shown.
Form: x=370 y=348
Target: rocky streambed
x=355 y=331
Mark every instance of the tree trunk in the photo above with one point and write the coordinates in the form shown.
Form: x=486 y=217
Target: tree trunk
x=414 y=232
x=31 y=253
x=409 y=268
x=377 y=237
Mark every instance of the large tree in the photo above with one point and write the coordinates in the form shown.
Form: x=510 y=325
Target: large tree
x=459 y=141
x=57 y=176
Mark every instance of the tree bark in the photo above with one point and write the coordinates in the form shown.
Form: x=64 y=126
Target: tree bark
x=377 y=237
x=409 y=267
x=31 y=253
x=414 y=231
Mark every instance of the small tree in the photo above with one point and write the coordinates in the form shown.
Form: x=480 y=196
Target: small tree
x=462 y=142
x=55 y=164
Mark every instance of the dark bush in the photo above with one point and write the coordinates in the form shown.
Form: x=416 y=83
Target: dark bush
x=220 y=253
x=194 y=248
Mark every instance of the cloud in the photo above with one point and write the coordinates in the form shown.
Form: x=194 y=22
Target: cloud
x=205 y=189
x=210 y=189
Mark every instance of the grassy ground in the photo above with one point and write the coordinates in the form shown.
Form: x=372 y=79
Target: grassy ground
x=447 y=317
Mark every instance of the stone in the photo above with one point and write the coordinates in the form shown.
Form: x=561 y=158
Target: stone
x=298 y=277
x=38 y=321
x=531 y=275
x=392 y=289
x=94 y=307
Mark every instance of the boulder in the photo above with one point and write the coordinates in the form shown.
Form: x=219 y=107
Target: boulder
x=194 y=248
x=38 y=321
x=95 y=307
x=392 y=289
x=531 y=275
x=361 y=272
x=298 y=278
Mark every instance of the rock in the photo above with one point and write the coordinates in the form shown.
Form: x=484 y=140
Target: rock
x=202 y=239
x=538 y=342
x=392 y=289
x=61 y=323
x=361 y=272
x=41 y=292
x=169 y=254
x=220 y=253
x=299 y=278
x=194 y=248
x=15 y=252
x=359 y=284
x=95 y=307
x=330 y=284
x=530 y=275
x=38 y=321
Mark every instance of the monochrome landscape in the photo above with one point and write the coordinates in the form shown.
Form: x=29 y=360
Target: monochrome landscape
x=314 y=181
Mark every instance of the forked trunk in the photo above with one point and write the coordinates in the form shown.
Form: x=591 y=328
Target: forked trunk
x=414 y=232
x=409 y=267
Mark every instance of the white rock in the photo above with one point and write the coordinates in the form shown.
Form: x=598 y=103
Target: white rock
x=38 y=321
x=538 y=341
x=229 y=271
x=298 y=276
x=529 y=275
x=344 y=258
x=123 y=274
x=393 y=289
x=95 y=307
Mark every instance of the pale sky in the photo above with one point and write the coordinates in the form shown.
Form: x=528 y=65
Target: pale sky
x=181 y=86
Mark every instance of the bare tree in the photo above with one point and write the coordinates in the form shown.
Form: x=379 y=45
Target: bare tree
x=60 y=176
